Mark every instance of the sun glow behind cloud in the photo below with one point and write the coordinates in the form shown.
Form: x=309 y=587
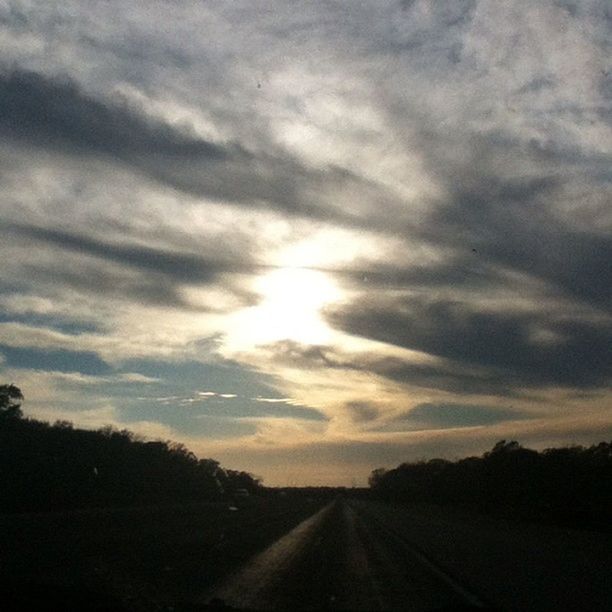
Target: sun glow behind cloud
x=292 y=300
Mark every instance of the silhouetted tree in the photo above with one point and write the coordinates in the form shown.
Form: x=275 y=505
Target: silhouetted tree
x=51 y=467
x=564 y=484
x=10 y=402
x=376 y=477
x=503 y=448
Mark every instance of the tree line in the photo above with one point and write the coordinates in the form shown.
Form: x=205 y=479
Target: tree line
x=571 y=485
x=46 y=467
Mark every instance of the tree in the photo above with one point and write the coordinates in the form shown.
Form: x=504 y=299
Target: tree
x=376 y=477
x=503 y=449
x=10 y=402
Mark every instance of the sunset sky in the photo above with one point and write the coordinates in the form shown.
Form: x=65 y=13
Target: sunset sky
x=310 y=239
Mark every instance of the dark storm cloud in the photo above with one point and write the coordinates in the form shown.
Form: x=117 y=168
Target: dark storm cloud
x=56 y=114
x=509 y=223
x=528 y=349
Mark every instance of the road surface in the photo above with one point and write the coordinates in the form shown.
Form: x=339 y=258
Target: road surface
x=364 y=555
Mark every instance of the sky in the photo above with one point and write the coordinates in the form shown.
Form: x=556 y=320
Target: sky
x=310 y=239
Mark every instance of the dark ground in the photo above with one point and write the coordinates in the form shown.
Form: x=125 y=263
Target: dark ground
x=286 y=552
x=144 y=558
x=515 y=565
x=360 y=554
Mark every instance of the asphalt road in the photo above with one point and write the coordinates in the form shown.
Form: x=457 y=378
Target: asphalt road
x=363 y=555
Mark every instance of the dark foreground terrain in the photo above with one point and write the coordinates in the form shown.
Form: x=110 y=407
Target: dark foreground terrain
x=302 y=553
x=140 y=558
x=375 y=556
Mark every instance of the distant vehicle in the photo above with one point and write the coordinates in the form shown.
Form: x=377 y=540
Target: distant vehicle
x=241 y=493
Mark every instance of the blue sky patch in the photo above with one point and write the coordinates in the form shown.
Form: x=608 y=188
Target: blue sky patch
x=58 y=360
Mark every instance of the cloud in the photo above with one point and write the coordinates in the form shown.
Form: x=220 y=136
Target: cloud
x=274 y=400
x=461 y=270
x=449 y=415
x=208 y=394
x=298 y=355
x=152 y=275
x=575 y=360
x=493 y=217
x=441 y=375
x=19 y=308
x=134 y=377
x=54 y=113
x=76 y=378
x=527 y=349
x=438 y=374
x=361 y=411
x=183 y=267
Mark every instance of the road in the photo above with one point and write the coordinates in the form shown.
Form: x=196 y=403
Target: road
x=364 y=555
